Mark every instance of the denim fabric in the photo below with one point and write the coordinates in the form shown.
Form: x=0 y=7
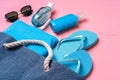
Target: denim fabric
x=22 y=63
x=20 y=30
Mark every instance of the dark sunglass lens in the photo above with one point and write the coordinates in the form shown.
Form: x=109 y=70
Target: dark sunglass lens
x=26 y=10
x=11 y=16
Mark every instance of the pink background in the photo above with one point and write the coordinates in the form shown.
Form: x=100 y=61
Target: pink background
x=103 y=17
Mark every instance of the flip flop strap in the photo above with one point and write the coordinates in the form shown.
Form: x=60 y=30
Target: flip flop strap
x=82 y=43
x=25 y=42
x=73 y=60
x=80 y=37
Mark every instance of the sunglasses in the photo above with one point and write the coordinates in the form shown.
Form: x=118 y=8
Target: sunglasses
x=13 y=15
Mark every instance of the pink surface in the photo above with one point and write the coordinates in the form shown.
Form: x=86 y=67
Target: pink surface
x=103 y=17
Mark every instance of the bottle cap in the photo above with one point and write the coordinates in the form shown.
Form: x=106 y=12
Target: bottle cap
x=81 y=16
x=50 y=5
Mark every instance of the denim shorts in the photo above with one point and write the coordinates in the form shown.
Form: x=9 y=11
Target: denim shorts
x=21 y=63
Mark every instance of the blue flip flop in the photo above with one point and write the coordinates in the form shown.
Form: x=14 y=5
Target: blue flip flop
x=82 y=39
x=79 y=61
x=71 y=50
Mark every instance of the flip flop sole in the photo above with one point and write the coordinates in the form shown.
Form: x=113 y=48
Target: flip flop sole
x=91 y=37
x=85 y=62
x=72 y=46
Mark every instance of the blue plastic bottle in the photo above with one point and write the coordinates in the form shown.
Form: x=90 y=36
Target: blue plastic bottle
x=42 y=15
x=64 y=22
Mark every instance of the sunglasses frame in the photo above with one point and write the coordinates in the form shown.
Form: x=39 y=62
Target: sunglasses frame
x=13 y=15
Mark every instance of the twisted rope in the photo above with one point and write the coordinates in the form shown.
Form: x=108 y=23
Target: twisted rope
x=25 y=42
